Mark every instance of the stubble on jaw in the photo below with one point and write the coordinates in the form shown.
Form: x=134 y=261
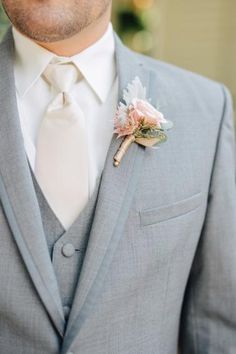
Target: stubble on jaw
x=46 y=22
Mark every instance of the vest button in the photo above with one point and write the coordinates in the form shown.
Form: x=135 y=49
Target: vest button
x=68 y=250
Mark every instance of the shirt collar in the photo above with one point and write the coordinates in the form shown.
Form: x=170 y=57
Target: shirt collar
x=96 y=63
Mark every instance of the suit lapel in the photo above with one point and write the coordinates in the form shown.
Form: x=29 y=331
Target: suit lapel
x=115 y=197
x=18 y=196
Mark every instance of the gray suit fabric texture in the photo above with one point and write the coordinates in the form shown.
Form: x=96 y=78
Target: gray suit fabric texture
x=159 y=272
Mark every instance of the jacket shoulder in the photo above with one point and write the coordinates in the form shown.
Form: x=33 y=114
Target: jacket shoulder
x=195 y=90
x=179 y=76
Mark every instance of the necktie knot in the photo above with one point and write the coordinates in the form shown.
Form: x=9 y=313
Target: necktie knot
x=62 y=76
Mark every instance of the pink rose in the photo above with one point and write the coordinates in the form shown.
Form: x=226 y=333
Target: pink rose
x=140 y=113
x=144 y=110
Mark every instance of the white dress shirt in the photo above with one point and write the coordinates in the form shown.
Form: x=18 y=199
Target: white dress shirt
x=96 y=94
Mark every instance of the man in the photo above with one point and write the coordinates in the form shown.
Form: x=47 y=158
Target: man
x=96 y=258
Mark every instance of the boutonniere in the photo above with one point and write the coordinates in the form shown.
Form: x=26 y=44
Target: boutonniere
x=137 y=120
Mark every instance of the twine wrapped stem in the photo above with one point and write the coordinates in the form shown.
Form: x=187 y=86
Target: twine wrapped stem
x=123 y=149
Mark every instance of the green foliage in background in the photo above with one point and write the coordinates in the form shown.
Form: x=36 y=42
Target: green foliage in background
x=134 y=21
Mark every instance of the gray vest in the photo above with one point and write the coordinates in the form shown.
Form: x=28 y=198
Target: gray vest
x=67 y=248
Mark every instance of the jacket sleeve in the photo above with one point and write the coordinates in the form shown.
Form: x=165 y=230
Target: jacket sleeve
x=208 y=321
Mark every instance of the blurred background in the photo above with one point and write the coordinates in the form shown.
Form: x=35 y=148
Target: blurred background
x=199 y=35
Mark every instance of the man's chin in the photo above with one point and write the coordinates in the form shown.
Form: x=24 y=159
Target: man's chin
x=43 y=34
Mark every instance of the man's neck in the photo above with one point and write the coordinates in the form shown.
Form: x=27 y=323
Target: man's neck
x=76 y=44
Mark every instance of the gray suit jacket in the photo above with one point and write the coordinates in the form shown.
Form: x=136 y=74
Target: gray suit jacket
x=160 y=268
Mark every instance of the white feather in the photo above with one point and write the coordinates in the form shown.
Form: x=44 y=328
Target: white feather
x=135 y=90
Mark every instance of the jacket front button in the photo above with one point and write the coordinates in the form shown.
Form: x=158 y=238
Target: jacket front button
x=68 y=250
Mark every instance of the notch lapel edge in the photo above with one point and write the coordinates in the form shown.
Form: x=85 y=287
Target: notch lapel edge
x=18 y=196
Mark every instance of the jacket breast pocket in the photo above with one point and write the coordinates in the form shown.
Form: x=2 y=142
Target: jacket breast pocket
x=171 y=211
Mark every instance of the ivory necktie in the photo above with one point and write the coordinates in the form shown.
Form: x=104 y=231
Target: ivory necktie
x=61 y=165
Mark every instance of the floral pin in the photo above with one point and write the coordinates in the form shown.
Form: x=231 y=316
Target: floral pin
x=138 y=121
